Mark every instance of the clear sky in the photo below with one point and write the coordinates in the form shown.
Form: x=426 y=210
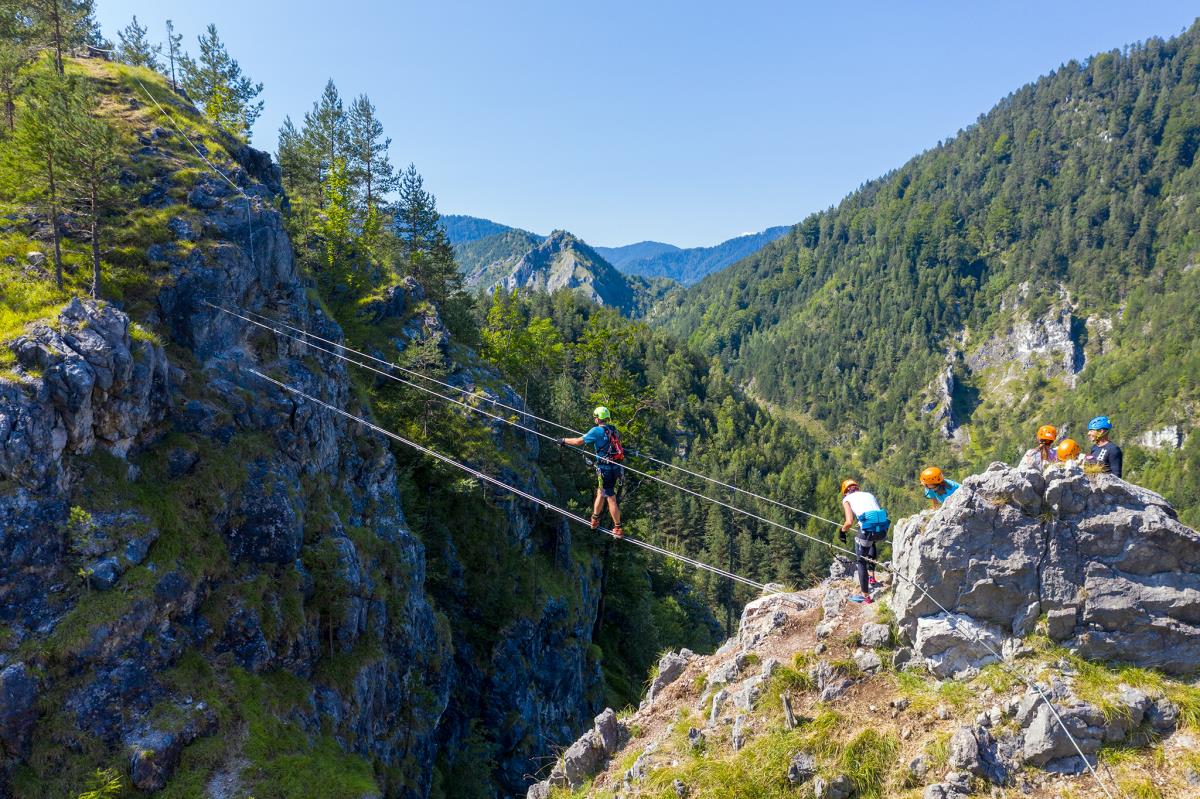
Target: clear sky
x=685 y=122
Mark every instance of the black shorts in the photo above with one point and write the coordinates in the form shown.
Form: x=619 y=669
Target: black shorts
x=606 y=479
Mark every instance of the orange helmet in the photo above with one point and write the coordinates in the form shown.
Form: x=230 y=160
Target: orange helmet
x=1048 y=433
x=848 y=484
x=932 y=476
x=1067 y=449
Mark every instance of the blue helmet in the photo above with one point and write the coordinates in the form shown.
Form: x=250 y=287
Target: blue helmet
x=1100 y=423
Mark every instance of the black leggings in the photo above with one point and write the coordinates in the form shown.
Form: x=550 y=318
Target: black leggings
x=864 y=551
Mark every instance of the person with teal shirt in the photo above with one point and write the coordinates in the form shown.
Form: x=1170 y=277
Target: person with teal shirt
x=603 y=436
x=937 y=487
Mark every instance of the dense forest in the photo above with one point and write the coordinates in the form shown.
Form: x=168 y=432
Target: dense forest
x=1078 y=188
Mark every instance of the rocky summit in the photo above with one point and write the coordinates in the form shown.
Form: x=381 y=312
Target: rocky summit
x=817 y=696
x=1106 y=564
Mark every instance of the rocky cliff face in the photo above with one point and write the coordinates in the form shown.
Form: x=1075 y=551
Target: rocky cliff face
x=100 y=394
x=1114 y=573
x=564 y=262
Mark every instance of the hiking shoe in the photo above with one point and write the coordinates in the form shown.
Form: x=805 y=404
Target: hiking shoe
x=617 y=531
x=872 y=582
x=864 y=599
x=595 y=521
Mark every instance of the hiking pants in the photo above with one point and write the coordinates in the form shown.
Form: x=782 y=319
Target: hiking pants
x=864 y=550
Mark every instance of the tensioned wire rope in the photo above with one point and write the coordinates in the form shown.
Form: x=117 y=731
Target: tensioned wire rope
x=651 y=547
x=274 y=324
x=969 y=633
x=501 y=484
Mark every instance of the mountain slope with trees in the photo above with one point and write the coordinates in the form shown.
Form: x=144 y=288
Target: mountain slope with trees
x=691 y=264
x=1059 y=233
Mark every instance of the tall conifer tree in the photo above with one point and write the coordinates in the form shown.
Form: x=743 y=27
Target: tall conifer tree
x=215 y=81
x=135 y=49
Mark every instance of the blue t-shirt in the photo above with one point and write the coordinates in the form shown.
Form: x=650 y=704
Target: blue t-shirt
x=598 y=439
x=949 y=488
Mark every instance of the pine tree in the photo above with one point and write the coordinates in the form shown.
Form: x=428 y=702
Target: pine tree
x=324 y=137
x=216 y=82
x=88 y=151
x=14 y=57
x=173 y=50
x=64 y=25
x=32 y=153
x=370 y=167
x=135 y=49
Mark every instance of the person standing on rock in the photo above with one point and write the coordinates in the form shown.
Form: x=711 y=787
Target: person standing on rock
x=1044 y=452
x=937 y=488
x=609 y=452
x=1104 y=453
x=863 y=508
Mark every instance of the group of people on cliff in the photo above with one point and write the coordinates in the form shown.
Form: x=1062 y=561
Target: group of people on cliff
x=861 y=508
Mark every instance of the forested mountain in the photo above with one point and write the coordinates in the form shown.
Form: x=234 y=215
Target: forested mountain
x=689 y=265
x=488 y=258
x=461 y=228
x=1040 y=266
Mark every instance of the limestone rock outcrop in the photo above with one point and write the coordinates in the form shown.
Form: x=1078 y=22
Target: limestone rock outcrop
x=1107 y=563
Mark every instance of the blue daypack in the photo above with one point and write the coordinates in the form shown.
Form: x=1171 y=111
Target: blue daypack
x=875 y=525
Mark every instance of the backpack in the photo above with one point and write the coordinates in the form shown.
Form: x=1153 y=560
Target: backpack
x=875 y=525
x=613 y=451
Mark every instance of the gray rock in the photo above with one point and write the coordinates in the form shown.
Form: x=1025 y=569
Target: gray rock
x=670 y=666
x=763 y=616
x=103 y=574
x=902 y=658
x=680 y=788
x=696 y=739
x=1107 y=562
x=839 y=787
x=955 y=645
x=718 y=700
x=825 y=629
x=841 y=567
x=835 y=689
x=725 y=673
x=738 y=735
x=540 y=790
x=769 y=667
x=832 y=603
x=867 y=661
x=745 y=698
x=1061 y=623
x=18 y=708
x=802 y=768
x=182 y=229
x=875 y=636
x=918 y=767
x=35 y=258
x=1163 y=715
x=587 y=756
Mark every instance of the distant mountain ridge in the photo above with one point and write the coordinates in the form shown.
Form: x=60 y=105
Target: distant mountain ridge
x=630 y=253
x=461 y=228
x=689 y=265
x=481 y=242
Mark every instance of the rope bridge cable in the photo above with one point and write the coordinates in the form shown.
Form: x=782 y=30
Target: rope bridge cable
x=501 y=484
x=538 y=433
x=274 y=322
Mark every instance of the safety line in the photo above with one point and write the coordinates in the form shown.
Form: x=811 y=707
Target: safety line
x=501 y=484
x=656 y=478
x=270 y=323
x=969 y=634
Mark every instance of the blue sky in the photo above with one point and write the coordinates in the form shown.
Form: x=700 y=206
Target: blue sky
x=685 y=122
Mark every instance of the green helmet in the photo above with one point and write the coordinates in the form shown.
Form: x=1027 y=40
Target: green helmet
x=601 y=412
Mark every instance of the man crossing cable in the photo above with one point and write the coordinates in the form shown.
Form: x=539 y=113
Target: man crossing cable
x=609 y=453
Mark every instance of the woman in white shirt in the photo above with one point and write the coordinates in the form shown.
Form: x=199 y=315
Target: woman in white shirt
x=862 y=507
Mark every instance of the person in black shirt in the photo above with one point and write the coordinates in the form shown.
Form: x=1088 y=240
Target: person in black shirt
x=1104 y=453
